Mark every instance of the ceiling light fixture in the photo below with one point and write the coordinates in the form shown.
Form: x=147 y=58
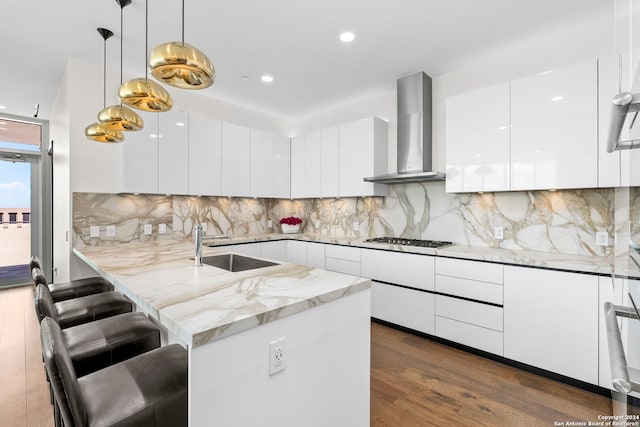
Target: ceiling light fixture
x=2 y=107
x=96 y=131
x=267 y=78
x=347 y=37
x=182 y=65
x=119 y=117
x=142 y=93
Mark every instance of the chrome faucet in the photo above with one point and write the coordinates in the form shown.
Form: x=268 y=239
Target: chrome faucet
x=199 y=238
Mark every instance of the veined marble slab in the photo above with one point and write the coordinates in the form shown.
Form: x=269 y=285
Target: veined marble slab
x=205 y=304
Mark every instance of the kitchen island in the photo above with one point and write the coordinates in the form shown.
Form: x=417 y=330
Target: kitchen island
x=228 y=321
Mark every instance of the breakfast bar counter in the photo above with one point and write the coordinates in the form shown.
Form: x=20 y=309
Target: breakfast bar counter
x=231 y=321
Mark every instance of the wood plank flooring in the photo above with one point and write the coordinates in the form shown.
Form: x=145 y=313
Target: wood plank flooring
x=414 y=381
x=24 y=394
x=418 y=382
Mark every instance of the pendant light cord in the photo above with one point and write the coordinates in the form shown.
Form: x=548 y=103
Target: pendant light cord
x=121 y=42
x=104 y=74
x=146 y=38
x=182 y=23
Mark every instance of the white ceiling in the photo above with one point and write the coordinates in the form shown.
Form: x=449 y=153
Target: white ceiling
x=296 y=41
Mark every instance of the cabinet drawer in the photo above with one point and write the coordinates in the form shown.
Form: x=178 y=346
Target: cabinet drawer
x=343 y=252
x=471 y=335
x=405 y=307
x=342 y=266
x=474 y=270
x=481 y=291
x=399 y=268
x=316 y=255
x=473 y=313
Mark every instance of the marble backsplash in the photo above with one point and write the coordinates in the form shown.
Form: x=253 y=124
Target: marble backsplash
x=550 y=221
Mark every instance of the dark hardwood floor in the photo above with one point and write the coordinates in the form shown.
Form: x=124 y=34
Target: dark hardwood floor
x=418 y=382
x=414 y=381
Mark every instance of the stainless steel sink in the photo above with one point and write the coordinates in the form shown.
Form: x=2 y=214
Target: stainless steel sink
x=234 y=262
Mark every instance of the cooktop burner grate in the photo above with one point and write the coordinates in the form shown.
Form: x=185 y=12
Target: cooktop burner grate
x=410 y=242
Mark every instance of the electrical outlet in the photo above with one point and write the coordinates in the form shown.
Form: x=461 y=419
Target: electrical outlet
x=356 y=226
x=148 y=228
x=94 y=231
x=602 y=238
x=111 y=231
x=317 y=224
x=498 y=233
x=277 y=356
x=204 y=227
x=162 y=228
x=269 y=224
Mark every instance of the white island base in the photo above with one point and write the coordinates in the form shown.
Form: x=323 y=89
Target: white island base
x=325 y=381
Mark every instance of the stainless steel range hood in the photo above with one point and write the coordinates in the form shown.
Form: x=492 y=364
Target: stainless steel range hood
x=414 y=133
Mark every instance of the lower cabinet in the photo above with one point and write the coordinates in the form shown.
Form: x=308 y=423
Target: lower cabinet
x=275 y=250
x=343 y=259
x=405 y=307
x=551 y=321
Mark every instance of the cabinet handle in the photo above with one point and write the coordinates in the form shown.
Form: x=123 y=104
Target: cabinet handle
x=617 y=359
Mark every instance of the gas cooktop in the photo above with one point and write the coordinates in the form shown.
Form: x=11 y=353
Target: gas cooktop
x=410 y=242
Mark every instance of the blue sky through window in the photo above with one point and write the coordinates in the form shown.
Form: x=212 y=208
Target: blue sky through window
x=15 y=184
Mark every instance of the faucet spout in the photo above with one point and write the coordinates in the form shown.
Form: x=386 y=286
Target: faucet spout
x=197 y=231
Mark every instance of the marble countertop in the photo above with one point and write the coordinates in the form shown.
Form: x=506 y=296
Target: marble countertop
x=620 y=266
x=205 y=304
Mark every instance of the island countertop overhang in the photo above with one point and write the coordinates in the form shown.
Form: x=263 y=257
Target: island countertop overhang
x=204 y=304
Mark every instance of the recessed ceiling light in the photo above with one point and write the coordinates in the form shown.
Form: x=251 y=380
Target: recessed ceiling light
x=2 y=107
x=179 y=124
x=245 y=78
x=557 y=98
x=347 y=37
x=266 y=78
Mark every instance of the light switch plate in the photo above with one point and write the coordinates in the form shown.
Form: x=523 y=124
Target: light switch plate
x=498 y=233
x=356 y=226
x=111 y=231
x=269 y=224
x=148 y=228
x=162 y=228
x=94 y=231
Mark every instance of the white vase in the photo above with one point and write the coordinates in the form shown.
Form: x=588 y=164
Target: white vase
x=289 y=229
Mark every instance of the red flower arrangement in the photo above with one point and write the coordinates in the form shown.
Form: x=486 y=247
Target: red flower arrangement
x=292 y=220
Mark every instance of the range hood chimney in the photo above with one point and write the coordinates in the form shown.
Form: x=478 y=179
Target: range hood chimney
x=414 y=133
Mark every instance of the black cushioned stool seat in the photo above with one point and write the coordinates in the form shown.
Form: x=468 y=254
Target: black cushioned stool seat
x=73 y=289
x=96 y=345
x=147 y=390
x=80 y=310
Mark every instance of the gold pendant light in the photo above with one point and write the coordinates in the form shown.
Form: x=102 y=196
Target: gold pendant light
x=119 y=117
x=142 y=93
x=96 y=131
x=182 y=65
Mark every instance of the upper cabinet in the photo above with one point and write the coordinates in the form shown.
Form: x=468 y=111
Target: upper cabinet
x=554 y=129
x=362 y=152
x=538 y=132
x=270 y=165
x=137 y=158
x=306 y=166
x=329 y=152
x=236 y=164
x=205 y=156
x=173 y=152
x=477 y=126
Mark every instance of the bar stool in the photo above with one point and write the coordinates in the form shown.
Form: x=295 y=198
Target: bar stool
x=146 y=390
x=80 y=310
x=71 y=289
x=74 y=289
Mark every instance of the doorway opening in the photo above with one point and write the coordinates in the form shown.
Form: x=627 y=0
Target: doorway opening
x=25 y=198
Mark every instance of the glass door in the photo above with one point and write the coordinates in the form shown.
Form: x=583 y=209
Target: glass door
x=24 y=229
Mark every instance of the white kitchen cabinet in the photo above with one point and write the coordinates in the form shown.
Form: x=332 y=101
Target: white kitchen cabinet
x=362 y=153
x=297 y=252
x=469 y=334
x=554 y=129
x=342 y=259
x=275 y=250
x=173 y=152
x=236 y=160
x=610 y=290
x=137 y=158
x=413 y=270
x=401 y=306
x=329 y=142
x=316 y=255
x=551 y=321
x=205 y=156
x=270 y=165
x=478 y=139
x=306 y=166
